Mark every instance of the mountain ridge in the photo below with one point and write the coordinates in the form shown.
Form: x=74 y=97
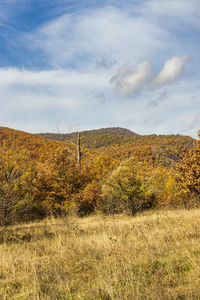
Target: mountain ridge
x=101 y=131
x=97 y=138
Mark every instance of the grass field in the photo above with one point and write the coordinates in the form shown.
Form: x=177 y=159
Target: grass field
x=151 y=256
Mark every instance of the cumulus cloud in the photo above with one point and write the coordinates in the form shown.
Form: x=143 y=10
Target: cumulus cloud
x=172 y=69
x=131 y=79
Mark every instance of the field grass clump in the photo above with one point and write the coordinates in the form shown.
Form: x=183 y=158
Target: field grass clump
x=154 y=255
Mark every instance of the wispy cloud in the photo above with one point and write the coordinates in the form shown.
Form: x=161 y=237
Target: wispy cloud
x=106 y=34
x=189 y=12
x=154 y=103
x=50 y=95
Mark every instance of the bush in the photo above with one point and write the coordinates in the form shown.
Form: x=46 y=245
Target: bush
x=123 y=191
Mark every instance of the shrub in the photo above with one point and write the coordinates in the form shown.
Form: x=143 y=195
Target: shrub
x=124 y=192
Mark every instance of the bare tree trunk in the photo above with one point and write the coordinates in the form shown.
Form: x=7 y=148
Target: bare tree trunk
x=79 y=149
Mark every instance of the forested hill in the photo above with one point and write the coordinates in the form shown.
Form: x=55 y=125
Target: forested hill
x=40 y=176
x=16 y=143
x=94 y=139
x=116 y=142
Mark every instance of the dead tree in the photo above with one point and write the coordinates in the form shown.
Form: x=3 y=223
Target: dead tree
x=79 y=149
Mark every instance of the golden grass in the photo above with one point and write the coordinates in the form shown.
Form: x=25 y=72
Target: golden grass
x=151 y=256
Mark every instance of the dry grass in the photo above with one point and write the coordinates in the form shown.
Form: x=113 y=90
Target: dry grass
x=150 y=256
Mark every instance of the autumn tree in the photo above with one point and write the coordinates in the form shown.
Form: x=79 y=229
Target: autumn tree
x=95 y=170
x=188 y=175
x=10 y=173
x=56 y=182
x=123 y=191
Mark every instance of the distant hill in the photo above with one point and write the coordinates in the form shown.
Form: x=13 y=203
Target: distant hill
x=115 y=142
x=110 y=131
x=122 y=143
x=113 y=131
x=104 y=137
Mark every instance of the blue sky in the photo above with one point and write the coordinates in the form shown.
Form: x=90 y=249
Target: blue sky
x=76 y=65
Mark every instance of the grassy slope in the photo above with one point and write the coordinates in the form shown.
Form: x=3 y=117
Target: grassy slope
x=151 y=256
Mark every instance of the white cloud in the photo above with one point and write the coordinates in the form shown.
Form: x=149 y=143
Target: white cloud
x=80 y=40
x=131 y=79
x=85 y=48
x=125 y=35
x=65 y=78
x=177 y=10
x=172 y=69
x=75 y=99
x=29 y=98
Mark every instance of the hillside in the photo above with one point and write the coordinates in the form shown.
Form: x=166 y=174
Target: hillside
x=40 y=176
x=37 y=147
x=123 y=143
x=94 y=139
x=102 y=131
x=162 y=149
x=117 y=143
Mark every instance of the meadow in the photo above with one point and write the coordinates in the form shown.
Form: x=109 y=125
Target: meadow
x=153 y=255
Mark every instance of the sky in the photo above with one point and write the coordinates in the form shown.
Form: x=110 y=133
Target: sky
x=71 y=65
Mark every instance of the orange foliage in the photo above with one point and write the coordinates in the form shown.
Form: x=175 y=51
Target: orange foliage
x=39 y=176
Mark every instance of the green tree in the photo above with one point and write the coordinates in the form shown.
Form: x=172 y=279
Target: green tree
x=123 y=191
